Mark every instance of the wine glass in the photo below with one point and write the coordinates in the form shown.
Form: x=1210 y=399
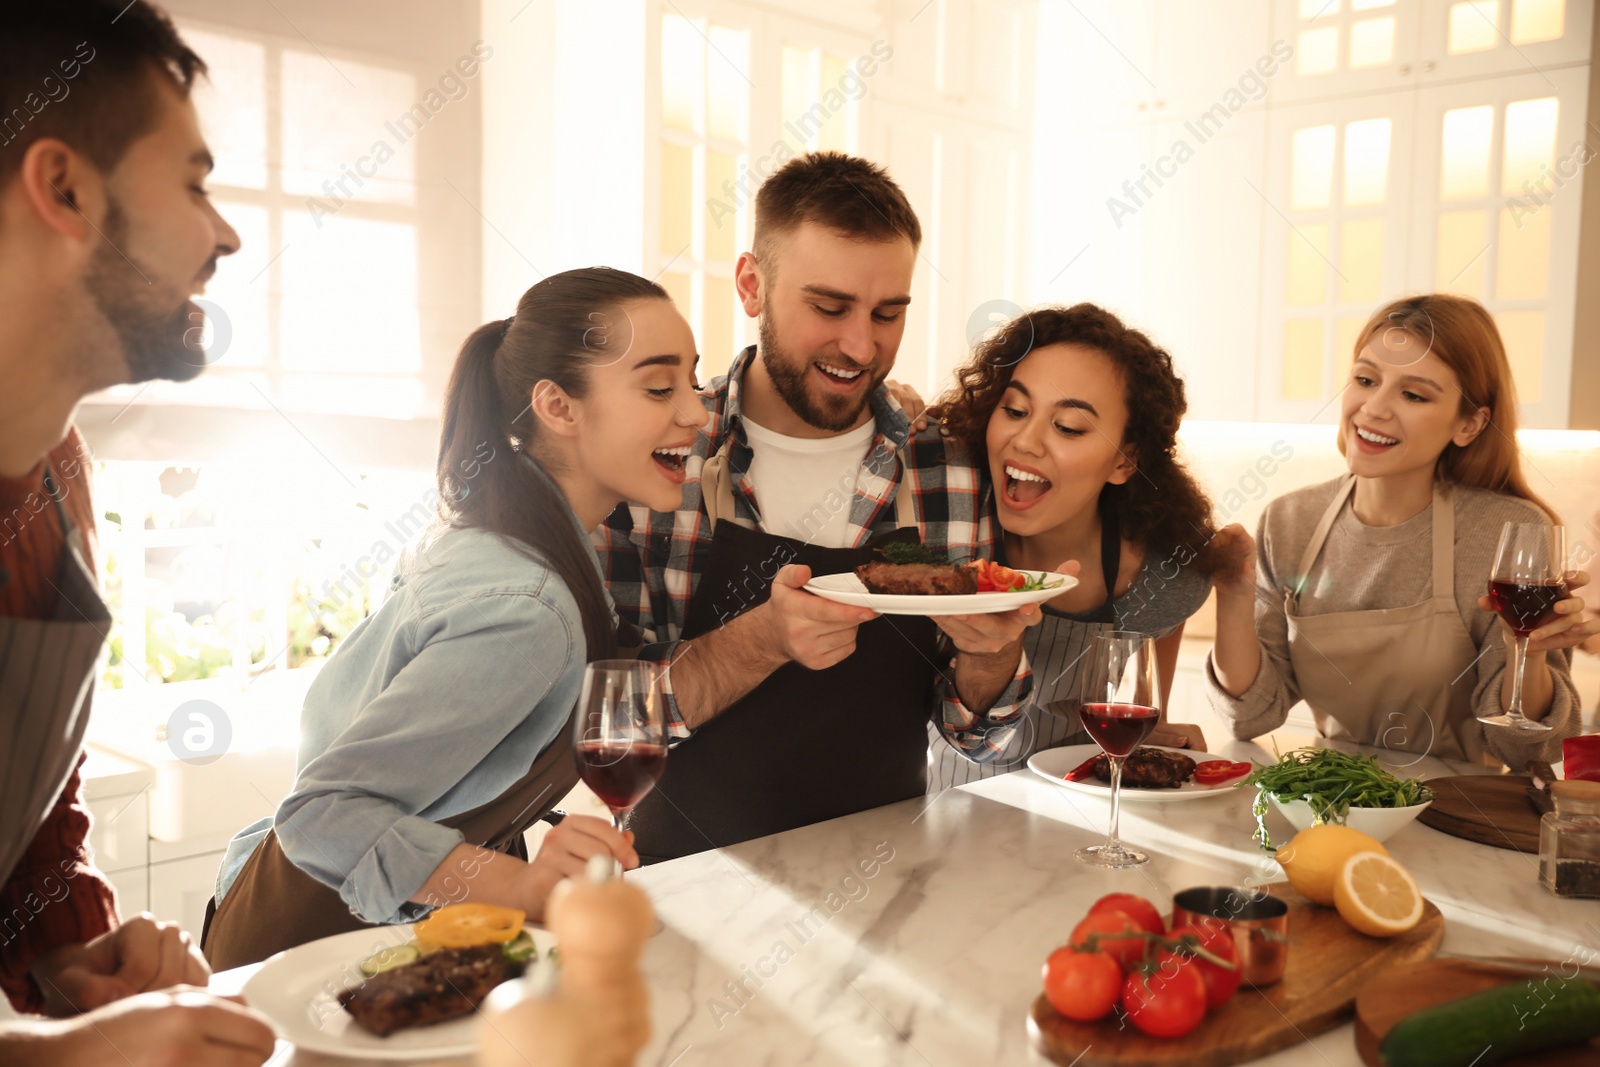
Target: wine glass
x=620 y=732
x=1121 y=705
x=1527 y=582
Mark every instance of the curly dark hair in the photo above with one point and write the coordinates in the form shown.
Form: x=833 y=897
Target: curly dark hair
x=1161 y=507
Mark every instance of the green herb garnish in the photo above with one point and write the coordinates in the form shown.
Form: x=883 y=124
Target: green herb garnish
x=908 y=552
x=1332 y=782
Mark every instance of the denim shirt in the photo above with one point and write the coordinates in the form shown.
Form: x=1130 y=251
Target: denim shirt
x=434 y=705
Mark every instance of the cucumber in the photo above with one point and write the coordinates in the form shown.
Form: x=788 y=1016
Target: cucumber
x=1509 y=1020
x=520 y=949
x=390 y=958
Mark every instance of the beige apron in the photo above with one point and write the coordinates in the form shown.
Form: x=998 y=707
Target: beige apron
x=47 y=672
x=1399 y=678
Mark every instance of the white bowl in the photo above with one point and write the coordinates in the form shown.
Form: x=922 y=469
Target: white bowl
x=1377 y=823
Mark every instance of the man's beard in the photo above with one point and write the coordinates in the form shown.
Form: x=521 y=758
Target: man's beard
x=789 y=376
x=151 y=332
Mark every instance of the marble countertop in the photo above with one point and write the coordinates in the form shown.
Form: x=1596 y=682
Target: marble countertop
x=913 y=934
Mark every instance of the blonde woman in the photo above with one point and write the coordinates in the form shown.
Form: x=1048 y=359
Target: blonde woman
x=1362 y=595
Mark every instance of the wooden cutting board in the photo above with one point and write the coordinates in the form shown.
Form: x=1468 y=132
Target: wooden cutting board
x=1403 y=991
x=1328 y=964
x=1491 y=809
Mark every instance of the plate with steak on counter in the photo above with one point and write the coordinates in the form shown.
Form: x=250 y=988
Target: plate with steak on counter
x=406 y=992
x=911 y=579
x=1151 y=772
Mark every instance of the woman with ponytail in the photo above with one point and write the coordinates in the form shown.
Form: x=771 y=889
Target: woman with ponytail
x=440 y=729
x=1363 y=595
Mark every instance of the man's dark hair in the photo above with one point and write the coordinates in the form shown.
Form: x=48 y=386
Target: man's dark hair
x=86 y=72
x=844 y=193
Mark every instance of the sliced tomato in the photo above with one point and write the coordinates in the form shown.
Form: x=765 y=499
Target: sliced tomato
x=1081 y=772
x=1216 y=771
x=1002 y=577
x=1081 y=985
x=1134 y=907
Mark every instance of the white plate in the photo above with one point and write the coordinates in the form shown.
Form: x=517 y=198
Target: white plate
x=297 y=990
x=1054 y=763
x=846 y=588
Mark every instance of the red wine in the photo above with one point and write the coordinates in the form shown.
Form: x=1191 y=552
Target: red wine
x=1119 y=727
x=619 y=772
x=1526 y=606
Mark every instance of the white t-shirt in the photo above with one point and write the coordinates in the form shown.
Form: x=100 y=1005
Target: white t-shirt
x=804 y=485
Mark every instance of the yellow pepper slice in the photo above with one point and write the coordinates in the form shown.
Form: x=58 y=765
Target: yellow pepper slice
x=465 y=925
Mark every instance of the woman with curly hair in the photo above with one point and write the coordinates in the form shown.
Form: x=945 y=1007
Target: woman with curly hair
x=1074 y=418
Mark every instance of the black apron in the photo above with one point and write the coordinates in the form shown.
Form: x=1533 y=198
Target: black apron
x=46 y=686
x=804 y=745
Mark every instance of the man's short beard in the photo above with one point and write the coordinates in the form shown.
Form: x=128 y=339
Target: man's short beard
x=789 y=374
x=150 y=330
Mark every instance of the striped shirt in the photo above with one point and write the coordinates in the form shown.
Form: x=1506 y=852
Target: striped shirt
x=653 y=560
x=54 y=896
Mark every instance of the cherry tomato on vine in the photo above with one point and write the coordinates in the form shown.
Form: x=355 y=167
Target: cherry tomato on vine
x=1126 y=950
x=1168 y=1000
x=1134 y=907
x=1081 y=985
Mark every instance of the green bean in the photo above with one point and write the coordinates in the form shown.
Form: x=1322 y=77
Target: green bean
x=1331 y=782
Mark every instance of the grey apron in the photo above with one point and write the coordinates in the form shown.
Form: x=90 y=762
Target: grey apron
x=47 y=669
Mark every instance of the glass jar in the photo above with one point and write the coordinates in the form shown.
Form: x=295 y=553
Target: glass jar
x=1569 y=840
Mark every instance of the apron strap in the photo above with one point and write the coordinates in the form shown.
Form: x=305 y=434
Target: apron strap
x=1320 y=534
x=1444 y=542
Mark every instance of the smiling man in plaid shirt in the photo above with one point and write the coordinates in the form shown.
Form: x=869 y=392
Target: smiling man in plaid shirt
x=790 y=708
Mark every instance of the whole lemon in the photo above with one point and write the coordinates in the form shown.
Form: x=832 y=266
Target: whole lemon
x=1314 y=857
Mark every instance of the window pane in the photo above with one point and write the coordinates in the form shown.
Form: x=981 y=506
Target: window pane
x=677 y=198
x=1311 y=168
x=1302 y=359
x=1522 y=266
x=1523 y=334
x=1537 y=20
x=1318 y=52
x=1530 y=142
x=1345 y=332
x=240 y=289
x=682 y=73
x=835 y=133
x=1310 y=9
x=349 y=296
x=716 y=341
x=722 y=229
x=1459 y=262
x=798 y=92
x=728 y=83
x=1361 y=261
x=232 y=103
x=335 y=394
x=1366 y=161
x=679 y=287
x=1368 y=5
x=1308 y=264
x=351 y=143
x=1474 y=26
x=1371 y=42
x=1464 y=170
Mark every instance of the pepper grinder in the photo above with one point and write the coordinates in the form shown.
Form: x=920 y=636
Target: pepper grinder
x=601 y=924
x=599 y=1014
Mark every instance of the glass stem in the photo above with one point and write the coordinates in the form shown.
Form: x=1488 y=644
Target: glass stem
x=1519 y=662
x=1112 y=843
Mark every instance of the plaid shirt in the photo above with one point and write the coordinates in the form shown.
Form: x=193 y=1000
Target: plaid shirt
x=653 y=560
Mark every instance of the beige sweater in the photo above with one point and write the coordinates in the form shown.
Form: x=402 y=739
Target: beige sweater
x=1368 y=568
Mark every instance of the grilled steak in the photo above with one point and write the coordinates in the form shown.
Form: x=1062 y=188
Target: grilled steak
x=1149 y=768
x=917 y=579
x=446 y=985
